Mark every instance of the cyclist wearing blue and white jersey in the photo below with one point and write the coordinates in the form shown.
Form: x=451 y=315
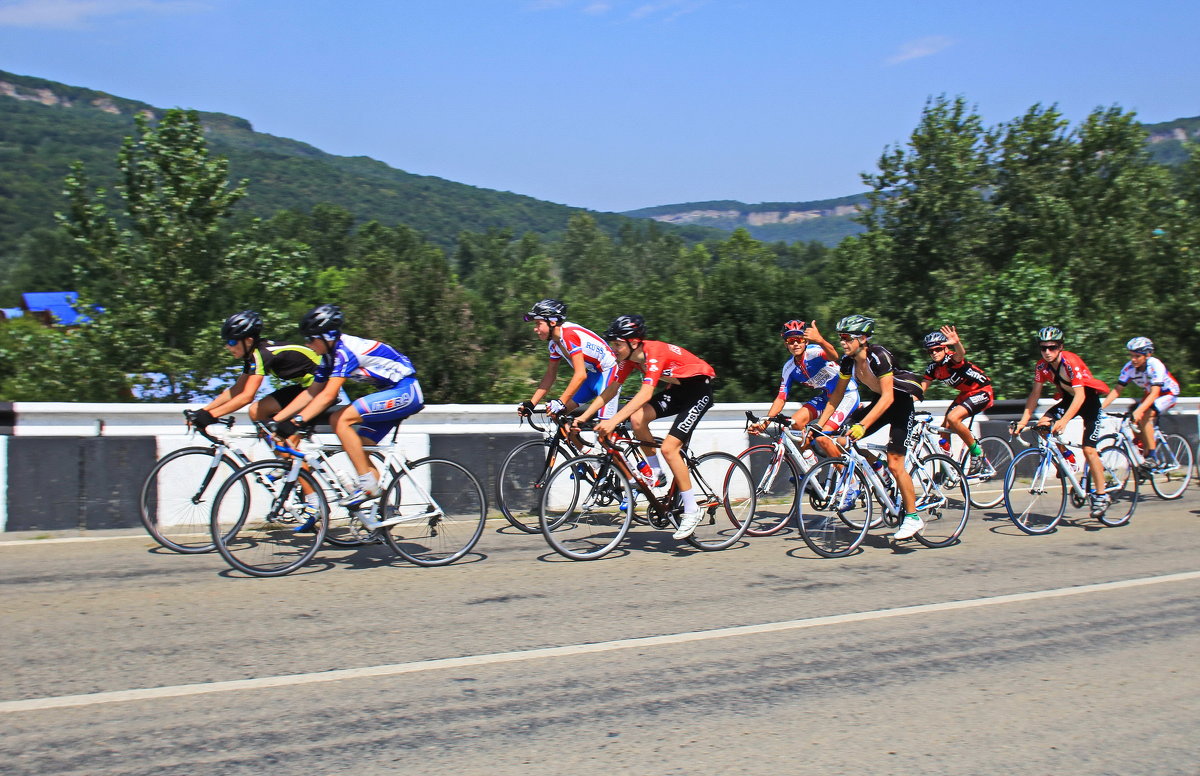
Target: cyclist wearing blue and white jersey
x=1161 y=389
x=345 y=357
x=592 y=361
x=814 y=363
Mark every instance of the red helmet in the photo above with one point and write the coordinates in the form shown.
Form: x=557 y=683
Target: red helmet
x=793 y=329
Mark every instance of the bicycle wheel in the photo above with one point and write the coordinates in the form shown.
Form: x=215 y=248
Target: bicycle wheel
x=987 y=487
x=776 y=488
x=834 y=517
x=725 y=492
x=1034 y=495
x=943 y=500
x=581 y=512
x=433 y=515
x=1177 y=459
x=1120 y=484
x=345 y=529
x=255 y=517
x=519 y=484
x=177 y=495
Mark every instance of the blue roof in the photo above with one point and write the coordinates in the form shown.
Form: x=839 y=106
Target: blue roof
x=11 y=312
x=59 y=304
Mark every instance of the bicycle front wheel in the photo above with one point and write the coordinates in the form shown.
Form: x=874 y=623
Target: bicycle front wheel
x=586 y=508
x=519 y=484
x=259 y=522
x=1035 y=495
x=943 y=500
x=1120 y=485
x=1177 y=459
x=725 y=494
x=987 y=485
x=835 y=514
x=435 y=514
x=177 y=497
x=776 y=488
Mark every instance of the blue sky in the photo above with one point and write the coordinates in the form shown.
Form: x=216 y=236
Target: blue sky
x=614 y=104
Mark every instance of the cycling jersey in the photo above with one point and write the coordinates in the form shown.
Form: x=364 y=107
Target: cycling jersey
x=665 y=361
x=881 y=362
x=813 y=370
x=964 y=376
x=1070 y=374
x=294 y=363
x=365 y=361
x=597 y=356
x=1153 y=373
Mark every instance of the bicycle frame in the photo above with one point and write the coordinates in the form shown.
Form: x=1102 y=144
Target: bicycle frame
x=1051 y=442
x=1167 y=462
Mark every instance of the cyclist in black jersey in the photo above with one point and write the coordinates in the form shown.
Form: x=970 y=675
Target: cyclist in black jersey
x=874 y=368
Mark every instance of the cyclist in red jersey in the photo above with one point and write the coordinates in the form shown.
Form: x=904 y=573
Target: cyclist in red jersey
x=688 y=398
x=948 y=364
x=1079 y=393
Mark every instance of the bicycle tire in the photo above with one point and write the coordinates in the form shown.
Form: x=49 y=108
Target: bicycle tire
x=1172 y=484
x=175 y=501
x=437 y=533
x=519 y=483
x=725 y=493
x=777 y=488
x=1029 y=486
x=580 y=512
x=998 y=453
x=255 y=516
x=943 y=483
x=831 y=524
x=1120 y=484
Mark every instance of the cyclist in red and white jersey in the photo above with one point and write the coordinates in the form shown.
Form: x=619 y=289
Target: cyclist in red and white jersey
x=1161 y=388
x=592 y=361
x=688 y=398
x=948 y=364
x=1079 y=393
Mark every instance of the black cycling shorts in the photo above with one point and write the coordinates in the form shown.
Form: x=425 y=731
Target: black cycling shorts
x=901 y=416
x=974 y=403
x=1089 y=412
x=687 y=401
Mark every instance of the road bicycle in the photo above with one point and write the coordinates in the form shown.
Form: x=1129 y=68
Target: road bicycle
x=839 y=496
x=1171 y=469
x=1040 y=479
x=777 y=469
x=431 y=511
x=986 y=478
x=588 y=503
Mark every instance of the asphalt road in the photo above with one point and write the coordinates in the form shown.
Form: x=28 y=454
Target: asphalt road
x=1092 y=678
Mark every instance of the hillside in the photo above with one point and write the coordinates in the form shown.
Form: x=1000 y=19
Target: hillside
x=45 y=126
x=826 y=220
x=1168 y=137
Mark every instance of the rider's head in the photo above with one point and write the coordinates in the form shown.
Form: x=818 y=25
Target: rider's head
x=936 y=345
x=1050 y=339
x=547 y=314
x=626 y=331
x=240 y=327
x=854 y=331
x=323 y=324
x=1140 y=347
x=794 y=335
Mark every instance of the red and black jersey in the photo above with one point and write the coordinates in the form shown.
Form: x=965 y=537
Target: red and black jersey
x=1070 y=375
x=964 y=376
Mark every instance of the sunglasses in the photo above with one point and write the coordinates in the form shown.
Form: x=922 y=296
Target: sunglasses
x=231 y=343
x=1050 y=348
x=794 y=341
x=936 y=349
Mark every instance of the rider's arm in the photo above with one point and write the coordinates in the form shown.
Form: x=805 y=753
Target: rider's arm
x=925 y=385
x=887 y=395
x=1151 y=396
x=322 y=396
x=546 y=383
x=644 y=395
x=815 y=337
x=235 y=397
x=1112 y=394
x=577 y=378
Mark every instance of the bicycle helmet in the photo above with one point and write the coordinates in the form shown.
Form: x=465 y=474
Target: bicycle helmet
x=859 y=325
x=324 y=319
x=1141 y=345
x=241 y=325
x=626 y=327
x=1050 y=334
x=936 y=339
x=793 y=329
x=551 y=311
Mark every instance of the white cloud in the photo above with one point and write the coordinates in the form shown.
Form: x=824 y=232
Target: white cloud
x=667 y=10
x=921 y=47
x=76 y=13
x=598 y=7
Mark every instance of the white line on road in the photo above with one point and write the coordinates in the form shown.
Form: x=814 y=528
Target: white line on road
x=178 y=691
x=35 y=542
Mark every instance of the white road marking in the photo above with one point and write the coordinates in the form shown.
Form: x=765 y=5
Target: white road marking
x=70 y=540
x=178 y=691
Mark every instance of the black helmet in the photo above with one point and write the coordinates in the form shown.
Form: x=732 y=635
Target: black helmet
x=856 y=324
x=325 y=319
x=549 y=310
x=934 y=338
x=241 y=325
x=793 y=329
x=1050 y=334
x=626 y=327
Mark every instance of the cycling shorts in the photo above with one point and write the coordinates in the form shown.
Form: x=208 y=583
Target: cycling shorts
x=381 y=412
x=973 y=403
x=687 y=401
x=594 y=385
x=1089 y=413
x=1164 y=402
x=287 y=394
x=900 y=416
x=848 y=405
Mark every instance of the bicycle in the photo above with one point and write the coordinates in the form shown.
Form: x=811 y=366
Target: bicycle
x=987 y=482
x=588 y=503
x=777 y=469
x=431 y=511
x=1170 y=472
x=838 y=493
x=1036 y=506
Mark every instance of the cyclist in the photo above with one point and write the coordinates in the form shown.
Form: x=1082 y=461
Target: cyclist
x=813 y=363
x=345 y=357
x=948 y=363
x=688 y=398
x=874 y=367
x=1079 y=394
x=242 y=333
x=1150 y=374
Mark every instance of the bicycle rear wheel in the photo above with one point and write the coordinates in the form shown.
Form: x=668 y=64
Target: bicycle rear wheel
x=177 y=496
x=584 y=510
x=943 y=500
x=519 y=484
x=1120 y=485
x=987 y=489
x=835 y=514
x=725 y=493
x=439 y=511
x=256 y=515
x=1172 y=483
x=776 y=488
x=1035 y=496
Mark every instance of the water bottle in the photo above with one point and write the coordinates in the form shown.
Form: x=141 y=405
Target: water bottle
x=884 y=475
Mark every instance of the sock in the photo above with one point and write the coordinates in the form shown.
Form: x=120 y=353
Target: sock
x=311 y=500
x=912 y=516
x=369 y=482
x=976 y=450
x=688 y=497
